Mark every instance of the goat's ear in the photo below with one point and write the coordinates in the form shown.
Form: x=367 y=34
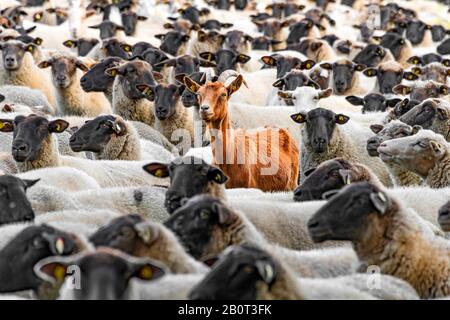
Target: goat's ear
x=147 y=91
x=270 y=61
x=360 y=67
x=286 y=95
x=216 y=175
x=191 y=85
x=341 y=118
x=370 y=72
x=299 y=117
x=57 y=126
x=414 y=60
x=308 y=64
x=159 y=170
x=380 y=201
x=70 y=43
x=354 y=100
x=45 y=64
x=242 y=58
x=6 y=125
x=235 y=85
x=327 y=66
x=376 y=128
x=444 y=90
x=209 y=56
x=410 y=76
x=402 y=89
x=80 y=65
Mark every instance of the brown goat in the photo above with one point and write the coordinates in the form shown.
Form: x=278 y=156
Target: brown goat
x=257 y=147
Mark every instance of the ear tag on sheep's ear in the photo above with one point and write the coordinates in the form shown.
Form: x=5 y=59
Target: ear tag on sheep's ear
x=446 y=62
x=30 y=49
x=415 y=61
x=444 y=91
x=127 y=48
x=410 y=77
x=59 y=272
x=59 y=245
x=417 y=71
x=57 y=127
x=159 y=173
x=146 y=272
x=114 y=72
x=38 y=41
x=193 y=87
x=2 y=125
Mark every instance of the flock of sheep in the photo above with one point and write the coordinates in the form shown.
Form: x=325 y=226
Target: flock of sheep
x=224 y=149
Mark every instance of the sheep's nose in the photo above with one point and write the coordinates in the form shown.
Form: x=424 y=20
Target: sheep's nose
x=372 y=141
x=10 y=59
x=320 y=140
x=61 y=77
x=383 y=145
x=444 y=213
x=20 y=146
x=204 y=107
x=72 y=139
x=298 y=192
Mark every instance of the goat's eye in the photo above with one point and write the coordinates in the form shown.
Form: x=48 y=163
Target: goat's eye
x=224 y=95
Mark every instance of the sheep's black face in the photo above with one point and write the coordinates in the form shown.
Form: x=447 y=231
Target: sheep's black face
x=187 y=64
x=438 y=33
x=172 y=41
x=155 y=56
x=192 y=14
x=114 y=48
x=343 y=76
x=119 y=234
x=223 y=4
x=13 y=54
x=261 y=43
x=429 y=58
x=374 y=103
x=95 y=134
x=416 y=31
x=388 y=79
x=423 y=115
x=238 y=274
x=299 y=30
x=240 y=4
x=290 y=9
x=370 y=56
x=28 y=247
x=394 y=42
x=96 y=80
x=212 y=25
x=30 y=133
x=166 y=100
x=108 y=29
x=35 y=3
x=286 y=64
x=319 y=180
x=236 y=41
x=135 y=73
x=188 y=98
x=140 y=47
x=198 y=223
x=85 y=46
x=14 y=204
x=189 y=177
x=444 y=217
x=292 y=80
x=346 y=216
x=129 y=22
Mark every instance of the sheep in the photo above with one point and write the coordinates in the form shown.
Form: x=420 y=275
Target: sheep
x=373 y=102
x=33 y=152
x=111 y=47
x=344 y=77
x=372 y=56
x=323 y=140
x=226 y=59
x=400 y=48
x=82 y=45
x=427 y=59
x=128 y=102
x=26 y=96
x=419 y=33
x=393 y=130
x=425 y=153
x=397 y=245
x=20 y=70
x=72 y=100
x=206 y=42
x=267 y=277
x=222 y=227
x=433 y=71
x=317 y=50
x=174 y=43
x=7 y=163
x=149 y=240
x=115 y=140
x=422 y=90
x=213 y=99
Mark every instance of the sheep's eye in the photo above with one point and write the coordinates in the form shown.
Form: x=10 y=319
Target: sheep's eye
x=2 y=191
x=126 y=232
x=248 y=269
x=333 y=174
x=38 y=243
x=204 y=215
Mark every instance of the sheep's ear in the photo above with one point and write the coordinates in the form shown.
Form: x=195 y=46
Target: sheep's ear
x=442 y=113
x=235 y=85
x=201 y=36
x=401 y=41
x=309 y=171
x=2 y=97
x=208 y=56
x=206 y=63
x=51 y=269
x=327 y=66
x=142 y=18
x=191 y=84
x=266 y=271
x=119 y=127
x=444 y=90
x=6 y=125
x=380 y=201
x=29 y=183
x=341 y=119
x=160 y=36
x=325 y=93
x=180 y=78
x=414 y=60
x=31 y=47
x=166 y=63
x=80 y=65
x=146 y=270
x=38 y=41
x=360 y=67
x=112 y=72
x=346 y=176
x=308 y=64
x=410 y=76
x=370 y=72
x=376 y=128
x=57 y=126
x=299 y=117
x=44 y=64
x=226 y=25
x=185 y=38
x=402 y=89
x=279 y=83
x=216 y=175
x=157 y=75
x=286 y=95
x=391 y=103
x=97 y=26
x=242 y=58
x=147 y=91
x=354 y=100
x=159 y=170
x=70 y=43
x=226 y=216
x=416 y=129
x=270 y=61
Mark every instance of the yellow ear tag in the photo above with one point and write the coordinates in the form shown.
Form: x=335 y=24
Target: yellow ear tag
x=299 y=117
x=146 y=272
x=114 y=73
x=193 y=88
x=410 y=77
x=444 y=91
x=58 y=127
x=38 y=42
x=127 y=49
x=416 y=61
x=218 y=177
x=38 y=17
x=370 y=73
x=159 y=173
x=69 y=43
x=30 y=49
x=2 y=125
x=59 y=273
x=341 y=119
x=308 y=66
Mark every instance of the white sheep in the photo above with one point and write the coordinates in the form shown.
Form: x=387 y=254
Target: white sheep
x=25 y=96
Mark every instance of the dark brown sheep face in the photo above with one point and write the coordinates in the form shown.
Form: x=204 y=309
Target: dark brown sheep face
x=104 y=275
x=350 y=214
x=166 y=97
x=124 y=234
x=343 y=74
x=444 y=217
x=28 y=247
x=139 y=48
x=394 y=42
x=133 y=73
x=425 y=59
x=13 y=53
x=329 y=176
x=189 y=177
x=155 y=57
x=434 y=71
x=237 y=41
x=225 y=59
x=63 y=70
x=300 y=30
x=387 y=78
x=263 y=43
x=172 y=41
x=108 y=29
x=294 y=79
x=424 y=114
x=114 y=48
x=14 y=204
x=415 y=31
x=284 y=64
x=95 y=134
x=203 y=225
x=193 y=14
x=215 y=25
x=130 y=20
x=83 y=45
x=241 y=273
x=373 y=102
x=185 y=64
x=30 y=133
x=96 y=80
x=320 y=124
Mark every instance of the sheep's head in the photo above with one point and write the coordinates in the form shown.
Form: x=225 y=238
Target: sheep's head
x=13 y=53
x=64 y=69
x=30 y=134
x=373 y=102
x=264 y=43
x=302 y=29
x=108 y=29
x=27 y=248
x=427 y=59
x=370 y=56
x=104 y=274
x=419 y=153
x=415 y=31
x=188 y=98
x=433 y=71
x=225 y=59
x=353 y=214
x=113 y=47
x=213 y=24
x=189 y=176
x=165 y=96
x=185 y=64
x=213 y=97
x=343 y=74
x=83 y=45
x=389 y=74
x=305 y=97
x=140 y=47
x=204 y=226
x=427 y=114
x=394 y=42
x=423 y=90
x=242 y=272
x=96 y=80
x=284 y=64
x=95 y=134
x=130 y=20
x=320 y=125
x=154 y=57
x=237 y=41
x=14 y=205
x=172 y=42
x=294 y=79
